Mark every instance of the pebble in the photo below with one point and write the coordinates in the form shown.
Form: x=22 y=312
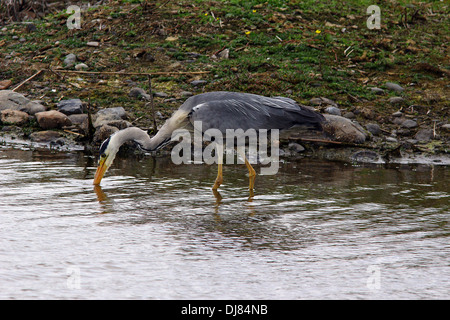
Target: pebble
x=333 y=110
x=409 y=123
x=69 y=60
x=349 y=115
x=136 y=92
x=186 y=94
x=391 y=139
x=377 y=90
x=198 y=82
x=160 y=94
x=33 y=107
x=5 y=84
x=81 y=66
x=396 y=100
x=397 y=114
x=373 y=128
x=105 y=116
x=446 y=127
x=296 y=147
x=93 y=44
x=394 y=87
x=45 y=136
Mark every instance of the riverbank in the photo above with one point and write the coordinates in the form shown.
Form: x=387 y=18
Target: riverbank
x=391 y=83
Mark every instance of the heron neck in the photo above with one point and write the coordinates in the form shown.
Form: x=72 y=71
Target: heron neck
x=139 y=136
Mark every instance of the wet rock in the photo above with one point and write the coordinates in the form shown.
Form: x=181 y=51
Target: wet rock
x=196 y=83
x=409 y=123
x=70 y=106
x=15 y=117
x=396 y=100
x=424 y=135
x=296 y=147
x=52 y=119
x=373 y=128
x=343 y=129
x=376 y=90
x=69 y=60
x=103 y=132
x=394 y=87
x=45 y=136
x=5 y=84
x=333 y=110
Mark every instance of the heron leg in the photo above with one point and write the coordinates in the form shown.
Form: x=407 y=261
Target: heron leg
x=251 y=171
x=219 y=178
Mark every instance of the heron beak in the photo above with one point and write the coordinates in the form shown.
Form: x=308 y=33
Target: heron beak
x=101 y=169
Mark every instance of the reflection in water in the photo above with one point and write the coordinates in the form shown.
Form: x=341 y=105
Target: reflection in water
x=156 y=230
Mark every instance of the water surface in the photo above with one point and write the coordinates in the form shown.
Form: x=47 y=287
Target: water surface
x=154 y=230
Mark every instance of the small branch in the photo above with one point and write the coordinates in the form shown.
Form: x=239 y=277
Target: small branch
x=132 y=73
x=28 y=79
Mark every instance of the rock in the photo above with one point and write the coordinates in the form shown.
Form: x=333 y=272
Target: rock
x=160 y=94
x=12 y=100
x=394 y=87
x=45 y=136
x=424 y=135
x=397 y=114
x=323 y=102
x=349 y=115
x=373 y=128
x=343 y=129
x=198 y=82
x=367 y=156
x=33 y=107
x=31 y=27
x=391 y=139
x=296 y=147
x=81 y=67
x=15 y=117
x=81 y=121
x=70 y=106
x=377 y=90
x=52 y=119
x=69 y=60
x=409 y=124
x=104 y=116
x=5 y=84
x=333 y=110
x=103 y=133
x=93 y=44
x=186 y=94
x=396 y=100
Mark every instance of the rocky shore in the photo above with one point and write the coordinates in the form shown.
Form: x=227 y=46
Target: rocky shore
x=72 y=122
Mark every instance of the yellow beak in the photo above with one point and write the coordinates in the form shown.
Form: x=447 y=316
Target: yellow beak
x=101 y=169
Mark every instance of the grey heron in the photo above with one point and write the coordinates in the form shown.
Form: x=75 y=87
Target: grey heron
x=219 y=110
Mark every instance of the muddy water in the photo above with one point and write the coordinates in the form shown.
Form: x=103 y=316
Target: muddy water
x=316 y=230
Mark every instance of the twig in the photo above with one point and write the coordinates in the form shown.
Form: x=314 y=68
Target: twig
x=28 y=79
x=132 y=73
x=151 y=101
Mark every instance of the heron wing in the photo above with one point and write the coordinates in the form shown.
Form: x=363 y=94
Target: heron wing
x=232 y=110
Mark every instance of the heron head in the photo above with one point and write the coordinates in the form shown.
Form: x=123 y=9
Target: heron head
x=108 y=151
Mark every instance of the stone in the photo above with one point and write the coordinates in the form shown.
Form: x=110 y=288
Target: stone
x=109 y=114
x=160 y=94
x=15 y=117
x=391 y=139
x=81 y=121
x=397 y=114
x=396 y=100
x=377 y=90
x=373 y=128
x=81 y=67
x=103 y=132
x=70 y=106
x=52 y=119
x=196 y=83
x=296 y=147
x=186 y=94
x=349 y=115
x=5 y=84
x=93 y=44
x=69 y=60
x=136 y=92
x=45 y=136
x=323 y=102
x=333 y=110
x=409 y=123
x=446 y=127
x=394 y=87
x=33 y=107
x=343 y=129
x=424 y=135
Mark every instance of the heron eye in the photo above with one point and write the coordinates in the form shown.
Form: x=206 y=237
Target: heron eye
x=103 y=155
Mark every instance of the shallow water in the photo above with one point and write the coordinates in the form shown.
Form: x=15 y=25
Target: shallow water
x=316 y=230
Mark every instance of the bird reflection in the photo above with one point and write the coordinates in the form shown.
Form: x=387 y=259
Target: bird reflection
x=103 y=200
